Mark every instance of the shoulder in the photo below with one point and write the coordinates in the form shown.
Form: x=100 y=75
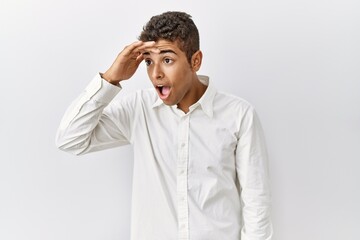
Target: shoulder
x=232 y=102
x=238 y=111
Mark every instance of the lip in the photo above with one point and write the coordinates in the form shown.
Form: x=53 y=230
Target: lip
x=159 y=91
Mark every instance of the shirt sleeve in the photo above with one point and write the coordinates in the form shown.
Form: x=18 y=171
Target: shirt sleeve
x=87 y=125
x=253 y=176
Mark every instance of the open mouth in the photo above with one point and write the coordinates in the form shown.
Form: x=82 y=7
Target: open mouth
x=163 y=91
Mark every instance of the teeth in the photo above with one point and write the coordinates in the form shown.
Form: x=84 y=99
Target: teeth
x=160 y=85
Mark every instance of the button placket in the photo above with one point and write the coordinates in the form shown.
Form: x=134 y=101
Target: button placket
x=182 y=169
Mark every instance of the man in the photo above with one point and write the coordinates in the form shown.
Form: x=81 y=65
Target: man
x=200 y=166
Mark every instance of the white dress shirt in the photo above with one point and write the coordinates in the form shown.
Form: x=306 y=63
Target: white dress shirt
x=202 y=175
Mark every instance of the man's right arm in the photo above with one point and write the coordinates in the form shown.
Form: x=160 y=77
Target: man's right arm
x=85 y=127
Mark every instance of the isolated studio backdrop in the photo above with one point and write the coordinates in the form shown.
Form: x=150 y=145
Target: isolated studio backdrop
x=296 y=61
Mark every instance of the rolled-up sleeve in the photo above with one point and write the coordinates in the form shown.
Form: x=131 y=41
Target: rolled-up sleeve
x=253 y=176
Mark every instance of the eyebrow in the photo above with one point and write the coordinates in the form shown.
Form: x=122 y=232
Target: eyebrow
x=162 y=52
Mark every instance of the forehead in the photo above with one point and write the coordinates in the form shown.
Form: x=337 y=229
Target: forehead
x=166 y=44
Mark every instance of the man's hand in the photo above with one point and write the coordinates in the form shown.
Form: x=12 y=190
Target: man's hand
x=127 y=62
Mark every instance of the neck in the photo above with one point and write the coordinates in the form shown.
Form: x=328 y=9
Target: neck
x=197 y=90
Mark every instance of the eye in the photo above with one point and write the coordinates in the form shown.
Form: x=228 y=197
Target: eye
x=168 y=60
x=147 y=62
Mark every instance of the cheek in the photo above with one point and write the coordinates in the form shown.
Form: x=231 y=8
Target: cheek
x=176 y=72
x=149 y=72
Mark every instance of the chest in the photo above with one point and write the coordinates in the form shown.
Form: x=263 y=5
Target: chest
x=204 y=142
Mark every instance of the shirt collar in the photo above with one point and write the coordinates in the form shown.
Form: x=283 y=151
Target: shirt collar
x=206 y=101
x=158 y=102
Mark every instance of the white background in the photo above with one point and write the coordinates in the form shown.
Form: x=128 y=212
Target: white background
x=296 y=61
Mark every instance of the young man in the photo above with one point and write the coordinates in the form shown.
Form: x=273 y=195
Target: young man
x=200 y=165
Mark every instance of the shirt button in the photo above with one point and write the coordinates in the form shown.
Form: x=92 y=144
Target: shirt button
x=183 y=144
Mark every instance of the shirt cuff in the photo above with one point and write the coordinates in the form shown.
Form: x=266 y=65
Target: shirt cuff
x=101 y=90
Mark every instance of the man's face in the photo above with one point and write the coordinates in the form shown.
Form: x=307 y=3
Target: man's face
x=170 y=73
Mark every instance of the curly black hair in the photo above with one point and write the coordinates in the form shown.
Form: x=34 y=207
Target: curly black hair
x=175 y=27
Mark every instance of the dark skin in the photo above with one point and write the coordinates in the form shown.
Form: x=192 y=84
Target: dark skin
x=127 y=62
x=169 y=70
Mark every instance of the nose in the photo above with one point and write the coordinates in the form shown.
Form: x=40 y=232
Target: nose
x=157 y=72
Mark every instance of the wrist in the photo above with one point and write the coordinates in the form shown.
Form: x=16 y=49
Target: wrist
x=108 y=78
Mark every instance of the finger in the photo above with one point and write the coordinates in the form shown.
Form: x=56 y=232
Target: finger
x=128 y=50
x=140 y=58
x=146 y=50
x=150 y=49
x=137 y=47
x=138 y=53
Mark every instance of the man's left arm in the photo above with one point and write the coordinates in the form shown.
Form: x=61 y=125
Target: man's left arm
x=253 y=176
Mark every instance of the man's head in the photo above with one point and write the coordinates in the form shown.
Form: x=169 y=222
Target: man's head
x=172 y=70
x=175 y=27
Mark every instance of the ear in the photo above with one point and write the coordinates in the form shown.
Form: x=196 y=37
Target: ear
x=196 y=60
